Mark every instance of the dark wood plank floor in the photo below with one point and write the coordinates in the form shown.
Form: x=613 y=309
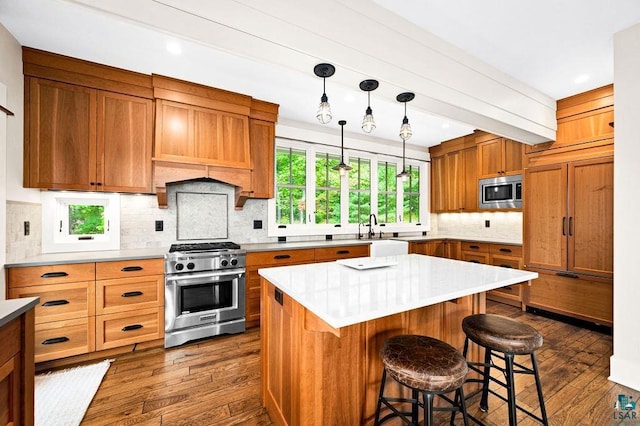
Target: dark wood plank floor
x=217 y=381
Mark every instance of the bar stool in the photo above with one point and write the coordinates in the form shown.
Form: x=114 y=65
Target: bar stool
x=428 y=367
x=503 y=338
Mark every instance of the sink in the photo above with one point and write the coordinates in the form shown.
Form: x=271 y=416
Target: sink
x=381 y=248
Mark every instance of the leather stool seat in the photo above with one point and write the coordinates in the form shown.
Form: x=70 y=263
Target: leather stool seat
x=502 y=333
x=424 y=363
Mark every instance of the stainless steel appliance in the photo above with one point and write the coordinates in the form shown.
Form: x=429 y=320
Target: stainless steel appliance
x=204 y=291
x=504 y=192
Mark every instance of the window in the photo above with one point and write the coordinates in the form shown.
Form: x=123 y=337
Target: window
x=327 y=189
x=291 y=170
x=80 y=222
x=359 y=190
x=387 y=192
x=411 y=196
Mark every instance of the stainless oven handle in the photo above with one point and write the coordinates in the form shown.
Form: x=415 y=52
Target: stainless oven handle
x=205 y=275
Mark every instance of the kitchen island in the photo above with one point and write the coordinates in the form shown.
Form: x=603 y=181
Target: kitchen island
x=323 y=326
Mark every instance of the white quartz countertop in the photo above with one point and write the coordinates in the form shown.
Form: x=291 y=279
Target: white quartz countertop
x=90 y=256
x=11 y=309
x=343 y=296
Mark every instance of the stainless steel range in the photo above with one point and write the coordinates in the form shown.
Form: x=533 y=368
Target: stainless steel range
x=204 y=291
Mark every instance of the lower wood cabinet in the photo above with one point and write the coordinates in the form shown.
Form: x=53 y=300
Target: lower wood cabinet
x=449 y=249
x=266 y=259
x=92 y=306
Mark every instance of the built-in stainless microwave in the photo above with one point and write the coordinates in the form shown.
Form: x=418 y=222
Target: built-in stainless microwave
x=504 y=192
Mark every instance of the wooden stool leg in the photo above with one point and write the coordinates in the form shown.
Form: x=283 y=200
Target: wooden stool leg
x=543 y=410
x=484 y=401
x=511 y=389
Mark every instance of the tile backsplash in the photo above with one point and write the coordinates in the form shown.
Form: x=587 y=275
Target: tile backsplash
x=502 y=225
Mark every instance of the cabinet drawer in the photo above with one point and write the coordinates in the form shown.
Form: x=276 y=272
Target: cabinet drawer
x=127 y=328
x=129 y=268
x=474 y=246
x=280 y=257
x=60 y=301
x=125 y=294
x=506 y=250
x=61 y=339
x=506 y=261
x=342 y=252
x=512 y=290
x=51 y=274
x=475 y=257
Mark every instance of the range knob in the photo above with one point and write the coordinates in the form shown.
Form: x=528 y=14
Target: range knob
x=224 y=262
x=179 y=266
x=190 y=265
x=234 y=262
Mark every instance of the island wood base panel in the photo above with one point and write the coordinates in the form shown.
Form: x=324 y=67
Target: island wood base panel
x=314 y=374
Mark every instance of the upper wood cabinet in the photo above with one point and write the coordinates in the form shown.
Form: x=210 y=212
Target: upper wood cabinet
x=499 y=157
x=193 y=134
x=568 y=217
x=87 y=126
x=262 y=142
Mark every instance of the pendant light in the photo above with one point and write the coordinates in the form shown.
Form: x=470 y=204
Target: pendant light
x=404 y=175
x=342 y=167
x=368 y=124
x=405 y=129
x=324 y=110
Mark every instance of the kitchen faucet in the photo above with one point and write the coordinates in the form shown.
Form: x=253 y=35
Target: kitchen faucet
x=375 y=222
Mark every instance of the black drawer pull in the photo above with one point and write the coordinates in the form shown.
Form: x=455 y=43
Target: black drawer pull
x=567 y=275
x=342 y=252
x=508 y=287
x=282 y=256
x=505 y=250
x=54 y=275
x=474 y=247
x=504 y=265
x=131 y=268
x=132 y=294
x=132 y=327
x=474 y=261
x=55 y=340
x=56 y=302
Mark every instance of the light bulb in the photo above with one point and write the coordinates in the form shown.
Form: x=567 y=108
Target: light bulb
x=405 y=129
x=368 y=124
x=343 y=171
x=324 y=110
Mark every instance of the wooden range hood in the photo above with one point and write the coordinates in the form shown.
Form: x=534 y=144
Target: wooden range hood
x=208 y=133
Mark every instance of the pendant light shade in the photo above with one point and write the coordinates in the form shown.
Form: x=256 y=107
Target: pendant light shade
x=368 y=123
x=405 y=129
x=342 y=167
x=404 y=175
x=324 y=109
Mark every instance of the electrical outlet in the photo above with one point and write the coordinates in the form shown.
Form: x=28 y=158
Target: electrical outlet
x=257 y=224
x=27 y=228
x=487 y=224
x=159 y=225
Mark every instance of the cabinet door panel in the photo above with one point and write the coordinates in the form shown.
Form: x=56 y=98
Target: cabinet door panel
x=513 y=153
x=125 y=125
x=207 y=143
x=454 y=167
x=490 y=158
x=262 y=158
x=173 y=138
x=546 y=219
x=470 y=184
x=591 y=217
x=438 y=185
x=235 y=140
x=62 y=133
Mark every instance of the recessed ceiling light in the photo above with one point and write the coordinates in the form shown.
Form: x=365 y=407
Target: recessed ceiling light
x=582 y=78
x=174 y=47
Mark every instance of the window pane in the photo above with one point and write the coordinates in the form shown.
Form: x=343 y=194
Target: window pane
x=359 y=190
x=387 y=192
x=411 y=199
x=290 y=188
x=327 y=189
x=86 y=219
x=291 y=166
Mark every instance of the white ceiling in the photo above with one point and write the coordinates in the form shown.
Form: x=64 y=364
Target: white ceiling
x=544 y=44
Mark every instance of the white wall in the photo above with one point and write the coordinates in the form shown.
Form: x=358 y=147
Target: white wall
x=625 y=362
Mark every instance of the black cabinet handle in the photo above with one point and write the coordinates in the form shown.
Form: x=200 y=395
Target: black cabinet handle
x=474 y=247
x=508 y=287
x=54 y=275
x=131 y=294
x=132 y=327
x=505 y=250
x=131 y=268
x=55 y=340
x=567 y=275
x=504 y=265
x=282 y=256
x=56 y=302
x=474 y=261
x=342 y=252
x=279 y=296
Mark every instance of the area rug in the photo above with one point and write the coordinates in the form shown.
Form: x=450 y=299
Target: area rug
x=62 y=397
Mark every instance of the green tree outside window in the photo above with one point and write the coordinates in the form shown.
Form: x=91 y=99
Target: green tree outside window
x=411 y=197
x=359 y=190
x=86 y=219
x=387 y=192
x=327 y=189
x=291 y=180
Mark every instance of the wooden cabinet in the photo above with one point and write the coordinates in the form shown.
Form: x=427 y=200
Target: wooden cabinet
x=449 y=249
x=438 y=185
x=568 y=217
x=86 y=307
x=454 y=184
x=475 y=252
x=87 y=127
x=266 y=259
x=499 y=157
x=262 y=143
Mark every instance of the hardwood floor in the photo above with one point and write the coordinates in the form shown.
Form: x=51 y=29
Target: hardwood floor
x=217 y=382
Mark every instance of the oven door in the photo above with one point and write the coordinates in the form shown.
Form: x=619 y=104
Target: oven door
x=194 y=299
